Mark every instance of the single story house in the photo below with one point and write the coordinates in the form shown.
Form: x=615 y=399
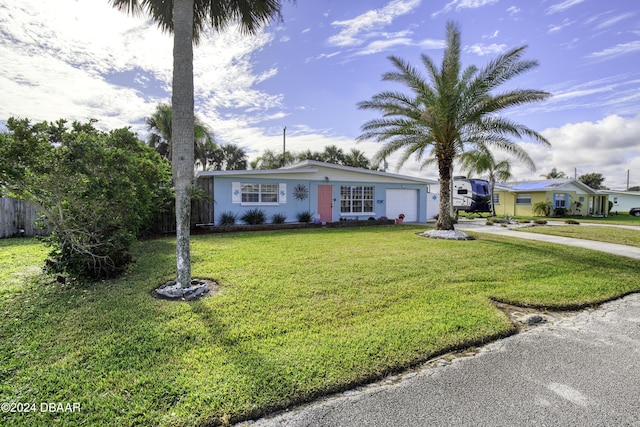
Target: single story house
x=518 y=199
x=332 y=192
x=623 y=201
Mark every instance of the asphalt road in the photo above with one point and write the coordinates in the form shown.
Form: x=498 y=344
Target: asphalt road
x=577 y=370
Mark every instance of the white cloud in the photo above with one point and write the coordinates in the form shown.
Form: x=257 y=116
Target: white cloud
x=617 y=50
x=556 y=28
x=513 y=11
x=491 y=36
x=463 y=4
x=355 y=31
x=382 y=45
x=614 y=20
x=481 y=49
x=561 y=7
x=608 y=146
x=62 y=62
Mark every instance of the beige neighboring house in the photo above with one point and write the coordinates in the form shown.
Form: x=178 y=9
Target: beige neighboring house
x=518 y=199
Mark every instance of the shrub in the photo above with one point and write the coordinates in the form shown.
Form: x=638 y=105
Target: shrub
x=540 y=221
x=524 y=221
x=96 y=191
x=559 y=212
x=490 y=222
x=303 y=216
x=254 y=217
x=227 y=218
x=499 y=220
x=543 y=208
x=278 y=218
x=572 y=222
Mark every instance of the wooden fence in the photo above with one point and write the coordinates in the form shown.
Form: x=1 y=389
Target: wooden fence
x=18 y=218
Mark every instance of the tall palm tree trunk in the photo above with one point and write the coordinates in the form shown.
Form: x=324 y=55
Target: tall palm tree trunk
x=182 y=132
x=445 y=222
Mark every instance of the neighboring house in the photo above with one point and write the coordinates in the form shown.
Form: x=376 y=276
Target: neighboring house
x=333 y=192
x=518 y=199
x=623 y=201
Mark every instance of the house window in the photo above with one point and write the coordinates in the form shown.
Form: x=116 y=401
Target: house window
x=356 y=199
x=259 y=193
x=496 y=199
x=560 y=201
x=523 y=199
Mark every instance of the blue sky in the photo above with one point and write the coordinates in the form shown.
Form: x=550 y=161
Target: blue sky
x=82 y=59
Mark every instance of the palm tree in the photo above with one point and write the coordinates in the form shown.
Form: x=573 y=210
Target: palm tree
x=481 y=161
x=234 y=157
x=449 y=110
x=310 y=155
x=333 y=154
x=186 y=19
x=356 y=158
x=160 y=135
x=205 y=154
x=555 y=174
x=159 y=127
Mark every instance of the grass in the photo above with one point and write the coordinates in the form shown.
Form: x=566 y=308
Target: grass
x=301 y=313
x=614 y=218
x=621 y=236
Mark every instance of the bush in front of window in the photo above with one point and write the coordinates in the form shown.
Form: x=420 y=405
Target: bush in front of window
x=254 y=217
x=227 y=218
x=278 y=218
x=559 y=212
x=303 y=216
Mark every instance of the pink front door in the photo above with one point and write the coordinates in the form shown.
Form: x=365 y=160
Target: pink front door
x=325 y=202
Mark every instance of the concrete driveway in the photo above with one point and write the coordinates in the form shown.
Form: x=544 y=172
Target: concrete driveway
x=572 y=369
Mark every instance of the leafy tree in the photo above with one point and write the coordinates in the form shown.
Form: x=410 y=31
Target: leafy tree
x=634 y=188
x=481 y=161
x=187 y=19
x=96 y=190
x=593 y=180
x=555 y=174
x=449 y=109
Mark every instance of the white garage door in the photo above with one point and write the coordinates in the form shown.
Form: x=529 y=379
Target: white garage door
x=402 y=201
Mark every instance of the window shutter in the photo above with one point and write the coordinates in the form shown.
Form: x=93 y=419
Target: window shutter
x=236 y=192
x=282 y=193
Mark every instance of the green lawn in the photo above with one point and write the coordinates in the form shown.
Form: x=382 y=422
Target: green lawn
x=621 y=236
x=301 y=313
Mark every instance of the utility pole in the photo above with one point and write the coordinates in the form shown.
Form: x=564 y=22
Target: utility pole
x=284 y=144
